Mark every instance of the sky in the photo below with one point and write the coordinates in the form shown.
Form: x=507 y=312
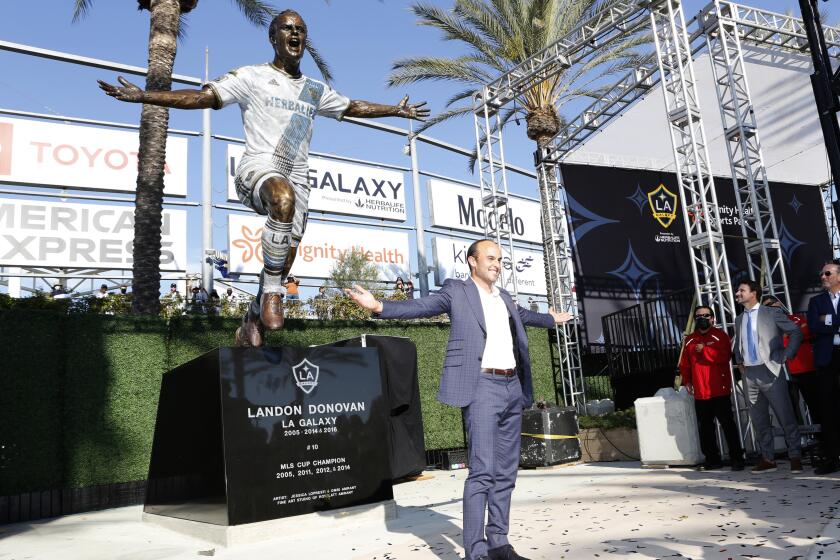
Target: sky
x=360 y=39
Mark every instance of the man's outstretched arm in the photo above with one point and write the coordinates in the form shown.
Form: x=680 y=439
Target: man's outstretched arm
x=366 y=109
x=179 y=99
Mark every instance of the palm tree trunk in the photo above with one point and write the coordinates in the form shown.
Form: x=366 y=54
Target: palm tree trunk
x=154 y=121
x=542 y=124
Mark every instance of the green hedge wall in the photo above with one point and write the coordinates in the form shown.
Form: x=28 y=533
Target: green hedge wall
x=80 y=392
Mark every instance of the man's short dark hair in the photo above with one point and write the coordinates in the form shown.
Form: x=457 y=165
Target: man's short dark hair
x=752 y=285
x=699 y=307
x=103 y=286
x=173 y=285
x=272 y=27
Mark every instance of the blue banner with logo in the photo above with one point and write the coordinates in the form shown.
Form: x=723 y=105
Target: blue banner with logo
x=630 y=244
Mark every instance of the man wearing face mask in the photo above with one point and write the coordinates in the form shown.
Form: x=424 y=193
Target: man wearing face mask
x=705 y=373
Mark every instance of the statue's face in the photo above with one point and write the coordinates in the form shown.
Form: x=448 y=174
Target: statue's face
x=289 y=38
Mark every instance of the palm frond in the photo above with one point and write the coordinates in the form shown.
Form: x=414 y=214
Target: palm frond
x=460 y=96
x=453 y=29
x=319 y=61
x=183 y=25
x=411 y=70
x=486 y=22
x=444 y=116
x=256 y=11
x=80 y=9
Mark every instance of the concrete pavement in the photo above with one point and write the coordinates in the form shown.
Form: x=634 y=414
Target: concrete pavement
x=600 y=510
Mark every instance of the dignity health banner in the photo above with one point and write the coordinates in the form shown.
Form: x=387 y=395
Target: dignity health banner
x=450 y=257
x=81 y=157
x=320 y=249
x=34 y=233
x=342 y=188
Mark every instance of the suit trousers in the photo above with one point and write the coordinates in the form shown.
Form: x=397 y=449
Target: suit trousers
x=828 y=377
x=493 y=422
x=764 y=389
x=719 y=408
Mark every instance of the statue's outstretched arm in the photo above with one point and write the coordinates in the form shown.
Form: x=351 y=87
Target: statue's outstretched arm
x=366 y=109
x=179 y=99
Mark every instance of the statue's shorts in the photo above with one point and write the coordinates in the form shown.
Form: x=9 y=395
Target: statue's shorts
x=251 y=174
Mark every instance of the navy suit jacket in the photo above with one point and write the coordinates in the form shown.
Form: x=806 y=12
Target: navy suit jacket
x=823 y=340
x=467 y=336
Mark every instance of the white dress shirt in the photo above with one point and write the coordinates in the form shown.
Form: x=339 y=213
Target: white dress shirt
x=828 y=318
x=498 y=349
x=753 y=333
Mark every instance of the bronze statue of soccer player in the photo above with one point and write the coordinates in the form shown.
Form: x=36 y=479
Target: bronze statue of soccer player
x=278 y=105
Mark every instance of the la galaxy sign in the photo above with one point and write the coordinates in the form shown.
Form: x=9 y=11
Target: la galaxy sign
x=663 y=206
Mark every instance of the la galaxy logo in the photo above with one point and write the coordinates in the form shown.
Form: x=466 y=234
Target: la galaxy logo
x=663 y=204
x=306 y=376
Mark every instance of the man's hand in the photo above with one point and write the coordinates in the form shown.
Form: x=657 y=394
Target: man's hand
x=690 y=388
x=129 y=92
x=699 y=347
x=741 y=368
x=559 y=318
x=416 y=112
x=364 y=298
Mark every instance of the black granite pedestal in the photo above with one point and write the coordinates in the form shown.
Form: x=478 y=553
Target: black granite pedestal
x=246 y=435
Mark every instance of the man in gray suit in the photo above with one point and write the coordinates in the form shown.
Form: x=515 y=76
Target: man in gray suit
x=760 y=353
x=487 y=373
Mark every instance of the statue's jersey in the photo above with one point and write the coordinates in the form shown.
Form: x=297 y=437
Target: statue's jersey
x=277 y=113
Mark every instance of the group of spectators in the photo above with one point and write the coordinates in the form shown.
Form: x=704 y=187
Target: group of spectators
x=780 y=357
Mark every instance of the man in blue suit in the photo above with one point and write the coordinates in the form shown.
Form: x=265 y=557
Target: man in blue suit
x=487 y=373
x=824 y=323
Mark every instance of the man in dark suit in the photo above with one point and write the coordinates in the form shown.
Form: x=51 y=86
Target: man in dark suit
x=824 y=323
x=487 y=373
x=760 y=354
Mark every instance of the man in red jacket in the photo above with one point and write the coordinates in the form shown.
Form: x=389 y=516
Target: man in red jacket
x=706 y=374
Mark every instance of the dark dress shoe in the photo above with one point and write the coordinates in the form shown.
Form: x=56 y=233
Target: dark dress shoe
x=827 y=467
x=504 y=552
x=737 y=465
x=271 y=311
x=710 y=466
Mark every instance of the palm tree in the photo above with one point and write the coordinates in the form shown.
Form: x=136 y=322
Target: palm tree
x=165 y=27
x=498 y=35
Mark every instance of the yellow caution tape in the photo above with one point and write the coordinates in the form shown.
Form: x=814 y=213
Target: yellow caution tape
x=549 y=436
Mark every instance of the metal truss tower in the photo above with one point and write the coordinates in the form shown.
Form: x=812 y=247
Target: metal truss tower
x=560 y=281
x=827 y=191
x=746 y=162
x=697 y=193
x=494 y=189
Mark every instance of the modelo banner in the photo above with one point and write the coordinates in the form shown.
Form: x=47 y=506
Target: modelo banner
x=450 y=257
x=630 y=243
x=320 y=249
x=55 y=234
x=81 y=157
x=459 y=207
x=342 y=188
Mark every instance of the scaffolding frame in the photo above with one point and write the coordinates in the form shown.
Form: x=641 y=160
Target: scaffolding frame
x=723 y=25
x=746 y=161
